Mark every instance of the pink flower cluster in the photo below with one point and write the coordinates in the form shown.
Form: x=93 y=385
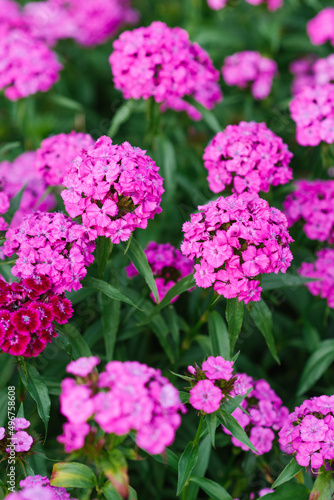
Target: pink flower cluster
x=168 y=266
x=4 y=206
x=311 y=71
x=322 y=270
x=27 y=65
x=248 y=156
x=27 y=310
x=89 y=22
x=14 y=175
x=212 y=382
x=38 y=487
x=161 y=62
x=10 y=13
x=51 y=245
x=114 y=188
x=18 y=440
x=271 y=4
x=56 y=152
x=312 y=202
x=126 y=396
x=313 y=111
x=265 y=413
x=250 y=69
x=320 y=29
x=309 y=432
x=236 y=239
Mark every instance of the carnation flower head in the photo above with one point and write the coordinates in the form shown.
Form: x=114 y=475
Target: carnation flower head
x=309 y=432
x=250 y=69
x=249 y=157
x=311 y=71
x=114 y=188
x=313 y=111
x=320 y=29
x=235 y=240
x=22 y=172
x=168 y=266
x=82 y=366
x=38 y=487
x=127 y=396
x=312 y=203
x=51 y=245
x=56 y=152
x=27 y=311
x=10 y=14
x=161 y=62
x=323 y=271
x=27 y=64
x=266 y=415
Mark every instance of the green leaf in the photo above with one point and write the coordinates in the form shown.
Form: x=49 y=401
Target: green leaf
x=233 y=403
x=207 y=115
x=234 y=317
x=262 y=317
x=219 y=335
x=20 y=413
x=187 y=462
x=65 y=102
x=139 y=260
x=280 y=280
x=235 y=428
x=72 y=475
x=115 y=468
x=37 y=389
x=111 y=314
x=211 y=422
x=214 y=490
x=121 y=116
x=167 y=160
x=103 y=249
x=168 y=457
x=110 y=492
x=14 y=205
x=316 y=366
x=109 y=290
x=288 y=473
x=323 y=487
x=80 y=347
x=291 y=491
x=8 y=147
x=132 y=494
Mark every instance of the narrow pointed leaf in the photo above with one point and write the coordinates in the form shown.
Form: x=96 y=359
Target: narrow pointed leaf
x=234 y=317
x=316 y=366
x=235 y=428
x=262 y=317
x=103 y=249
x=211 y=422
x=109 y=290
x=80 y=347
x=37 y=389
x=186 y=464
x=211 y=488
x=291 y=491
x=219 y=335
x=273 y=281
x=14 y=205
x=288 y=473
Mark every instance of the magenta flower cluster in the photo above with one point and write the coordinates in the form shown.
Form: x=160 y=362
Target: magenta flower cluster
x=34 y=487
x=249 y=157
x=313 y=111
x=161 y=62
x=323 y=271
x=21 y=172
x=27 y=310
x=265 y=413
x=56 y=152
x=312 y=203
x=113 y=188
x=18 y=440
x=236 y=239
x=168 y=266
x=320 y=29
x=311 y=71
x=51 y=245
x=89 y=22
x=309 y=432
x=27 y=65
x=272 y=5
x=127 y=396
x=250 y=69
x=210 y=384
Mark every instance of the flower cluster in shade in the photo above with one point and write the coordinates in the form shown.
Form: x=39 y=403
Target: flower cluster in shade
x=235 y=240
x=89 y=22
x=127 y=396
x=309 y=432
x=210 y=383
x=27 y=311
x=18 y=440
x=114 y=188
x=312 y=203
x=320 y=29
x=313 y=111
x=272 y=5
x=321 y=270
x=21 y=172
x=310 y=71
x=56 y=152
x=38 y=487
x=265 y=413
x=161 y=62
x=249 y=157
x=50 y=245
x=27 y=65
x=250 y=69
x=168 y=266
